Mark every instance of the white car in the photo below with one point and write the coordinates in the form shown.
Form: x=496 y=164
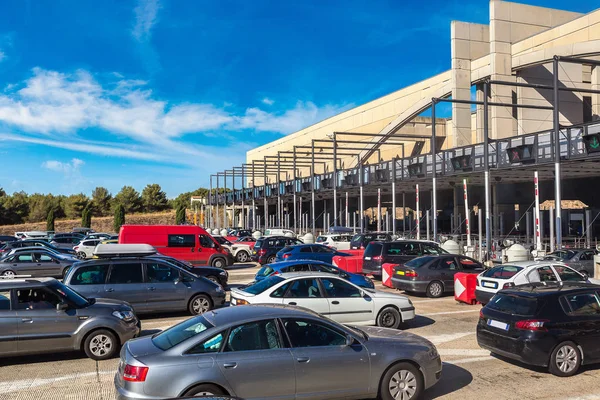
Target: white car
x=338 y=241
x=330 y=296
x=279 y=232
x=241 y=252
x=85 y=248
x=507 y=275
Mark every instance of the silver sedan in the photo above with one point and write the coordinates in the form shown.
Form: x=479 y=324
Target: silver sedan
x=279 y=352
x=35 y=262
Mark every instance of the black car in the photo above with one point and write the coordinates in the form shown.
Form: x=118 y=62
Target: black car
x=7 y=247
x=361 y=240
x=266 y=248
x=553 y=325
x=217 y=275
x=6 y=239
x=397 y=252
x=66 y=241
x=69 y=234
x=433 y=275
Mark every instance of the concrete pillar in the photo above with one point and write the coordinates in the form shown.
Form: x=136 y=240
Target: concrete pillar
x=595 y=97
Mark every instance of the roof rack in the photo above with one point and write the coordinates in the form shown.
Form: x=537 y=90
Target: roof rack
x=112 y=250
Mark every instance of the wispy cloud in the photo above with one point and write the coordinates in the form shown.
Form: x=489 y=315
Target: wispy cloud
x=145 y=17
x=2 y=56
x=64 y=167
x=268 y=101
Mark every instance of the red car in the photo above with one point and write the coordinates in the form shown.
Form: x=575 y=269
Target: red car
x=183 y=242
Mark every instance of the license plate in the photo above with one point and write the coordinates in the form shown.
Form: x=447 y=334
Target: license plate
x=400 y=272
x=233 y=301
x=367 y=258
x=498 y=324
x=488 y=284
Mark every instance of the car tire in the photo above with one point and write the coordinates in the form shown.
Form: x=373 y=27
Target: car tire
x=401 y=377
x=435 y=289
x=204 y=390
x=219 y=262
x=242 y=256
x=271 y=260
x=389 y=317
x=101 y=344
x=199 y=304
x=81 y=255
x=565 y=360
x=213 y=279
x=8 y=274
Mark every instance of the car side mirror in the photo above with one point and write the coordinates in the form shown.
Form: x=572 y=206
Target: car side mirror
x=56 y=261
x=62 y=306
x=350 y=341
x=177 y=280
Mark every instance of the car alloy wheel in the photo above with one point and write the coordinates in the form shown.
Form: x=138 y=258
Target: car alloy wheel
x=8 y=274
x=271 y=260
x=202 y=394
x=435 y=289
x=81 y=255
x=403 y=385
x=567 y=359
x=218 y=263
x=101 y=345
x=200 y=304
x=242 y=256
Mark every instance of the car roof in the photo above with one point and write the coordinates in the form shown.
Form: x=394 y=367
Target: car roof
x=24 y=282
x=230 y=315
x=31 y=248
x=296 y=262
x=539 y=289
x=312 y=274
x=529 y=264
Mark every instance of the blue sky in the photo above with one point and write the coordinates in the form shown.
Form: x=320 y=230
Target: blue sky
x=112 y=93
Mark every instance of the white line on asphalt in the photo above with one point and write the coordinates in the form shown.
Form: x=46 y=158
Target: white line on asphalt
x=470 y=360
x=15 y=386
x=448 y=312
x=430 y=300
x=464 y=352
x=439 y=339
x=585 y=397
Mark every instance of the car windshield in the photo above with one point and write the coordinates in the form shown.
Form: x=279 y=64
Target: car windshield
x=179 y=333
x=502 y=272
x=321 y=239
x=418 y=262
x=263 y=285
x=511 y=304
x=373 y=249
x=563 y=255
x=69 y=294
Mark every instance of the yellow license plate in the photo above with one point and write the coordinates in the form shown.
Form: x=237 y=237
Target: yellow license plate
x=400 y=272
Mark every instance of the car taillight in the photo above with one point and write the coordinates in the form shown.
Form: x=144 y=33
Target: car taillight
x=508 y=285
x=377 y=258
x=476 y=282
x=276 y=273
x=481 y=314
x=531 y=325
x=76 y=248
x=286 y=255
x=262 y=252
x=411 y=274
x=132 y=373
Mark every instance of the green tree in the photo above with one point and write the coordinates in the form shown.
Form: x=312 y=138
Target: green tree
x=180 y=216
x=101 y=199
x=75 y=204
x=50 y=221
x=119 y=217
x=154 y=199
x=86 y=217
x=130 y=199
x=15 y=207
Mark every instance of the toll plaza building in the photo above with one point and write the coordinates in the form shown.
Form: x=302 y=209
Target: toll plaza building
x=535 y=73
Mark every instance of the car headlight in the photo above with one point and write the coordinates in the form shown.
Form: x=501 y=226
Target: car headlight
x=224 y=273
x=124 y=315
x=433 y=353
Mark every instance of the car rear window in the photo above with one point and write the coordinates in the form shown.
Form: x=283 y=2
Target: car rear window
x=258 y=243
x=512 y=304
x=179 y=333
x=373 y=249
x=263 y=285
x=418 y=262
x=265 y=271
x=321 y=239
x=503 y=272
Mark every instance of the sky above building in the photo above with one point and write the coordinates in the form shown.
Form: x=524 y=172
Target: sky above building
x=112 y=93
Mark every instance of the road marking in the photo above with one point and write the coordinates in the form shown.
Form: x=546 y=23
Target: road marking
x=440 y=339
x=448 y=312
x=474 y=359
x=15 y=386
x=464 y=352
x=431 y=300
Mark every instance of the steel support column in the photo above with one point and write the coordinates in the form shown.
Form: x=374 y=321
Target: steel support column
x=433 y=174
x=557 y=177
x=486 y=170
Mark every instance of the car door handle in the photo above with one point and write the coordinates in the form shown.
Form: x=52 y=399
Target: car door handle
x=335 y=302
x=303 y=359
x=292 y=303
x=230 y=365
x=110 y=290
x=192 y=250
x=27 y=320
x=151 y=288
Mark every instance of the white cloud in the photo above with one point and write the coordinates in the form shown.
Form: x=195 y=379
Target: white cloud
x=145 y=17
x=67 y=168
x=268 y=101
x=2 y=56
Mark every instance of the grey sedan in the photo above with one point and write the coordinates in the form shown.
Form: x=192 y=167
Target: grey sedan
x=581 y=260
x=278 y=352
x=37 y=263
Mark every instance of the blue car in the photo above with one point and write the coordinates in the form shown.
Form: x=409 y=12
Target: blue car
x=311 y=265
x=317 y=252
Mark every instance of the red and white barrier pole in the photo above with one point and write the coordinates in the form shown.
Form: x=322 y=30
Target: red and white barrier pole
x=467 y=214
x=418 y=217
x=538 y=236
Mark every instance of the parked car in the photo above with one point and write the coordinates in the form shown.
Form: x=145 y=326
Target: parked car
x=338 y=241
x=311 y=265
x=316 y=252
x=581 y=260
x=266 y=248
x=44 y=316
x=84 y=231
x=433 y=275
x=279 y=232
x=31 y=235
x=63 y=234
x=29 y=248
x=398 y=252
x=183 y=242
x=549 y=324
x=276 y=352
x=148 y=283
x=217 y=275
x=85 y=249
x=505 y=276
x=331 y=296
x=7 y=247
x=66 y=241
x=7 y=239
x=96 y=235
x=35 y=262
x=361 y=240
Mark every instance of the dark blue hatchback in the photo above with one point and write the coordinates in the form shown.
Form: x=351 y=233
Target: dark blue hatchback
x=311 y=265
x=317 y=252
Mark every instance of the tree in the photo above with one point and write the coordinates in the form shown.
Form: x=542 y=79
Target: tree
x=180 y=216
x=75 y=204
x=16 y=208
x=130 y=199
x=101 y=198
x=86 y=217
x=154 y=199
x=50 y=221
x=119 y=217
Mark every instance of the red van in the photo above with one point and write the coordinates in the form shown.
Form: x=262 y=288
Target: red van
x=184 y=242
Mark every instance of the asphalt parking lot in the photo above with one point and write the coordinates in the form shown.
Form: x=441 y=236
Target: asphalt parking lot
x=469 y=372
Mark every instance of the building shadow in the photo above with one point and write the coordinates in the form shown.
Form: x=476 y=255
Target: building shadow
x=453 y=378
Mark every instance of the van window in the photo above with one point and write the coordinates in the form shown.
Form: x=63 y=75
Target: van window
x=90 y=275
x=206 y=242
x=5 y=300
x=182 y=241
x=126 y=273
